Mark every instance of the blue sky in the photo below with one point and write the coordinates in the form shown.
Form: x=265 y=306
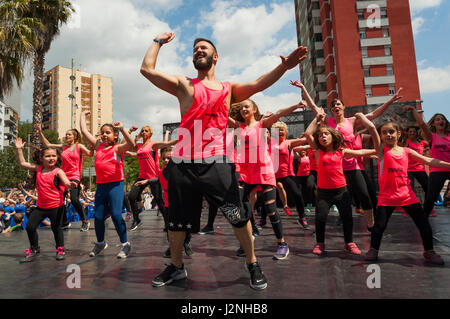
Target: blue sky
x=111 y=37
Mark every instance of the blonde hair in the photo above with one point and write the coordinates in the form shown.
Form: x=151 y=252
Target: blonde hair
x=149 y=128
x=280 y=124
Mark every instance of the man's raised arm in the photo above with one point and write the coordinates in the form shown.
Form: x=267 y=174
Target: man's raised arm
x=168 y=83
x=242 y=91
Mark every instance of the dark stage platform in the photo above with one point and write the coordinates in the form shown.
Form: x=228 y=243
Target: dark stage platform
x=214 y=272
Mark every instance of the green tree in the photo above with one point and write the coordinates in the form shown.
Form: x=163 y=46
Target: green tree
x=131 y=168
x=11 y=174
x=18 y=40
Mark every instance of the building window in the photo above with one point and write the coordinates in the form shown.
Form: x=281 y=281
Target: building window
x=387 y=51
x=368 y=92
x=385 y=32
x=99 y=95
x=362 y=34
x=391 y=90
x=364 y=53
x=366 y=72
x=389 y=70
x=360 y=15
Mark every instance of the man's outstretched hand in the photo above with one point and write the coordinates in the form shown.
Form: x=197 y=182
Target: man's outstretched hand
x=296 y=56
x=165 y=37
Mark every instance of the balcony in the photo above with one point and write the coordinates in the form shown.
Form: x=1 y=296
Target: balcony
x=10 y=120
x=371 y=42
x=363 y=5
x=384 y=22
x=379 y=60
x=378 y=80
x=378 y=99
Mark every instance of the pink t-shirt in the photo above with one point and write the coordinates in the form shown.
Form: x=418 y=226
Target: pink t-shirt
x=415 y=166
x=254 y=160
x=304 y=166
x=440 y=149
x=49 y=196
x=312 y=160
x=108 y=165
x=349 y=164
x=331 y=174
x=283 y=158
x=395 y=187
x=72 y=162
x=164 y=185
x=148 y=166
x=202 y=131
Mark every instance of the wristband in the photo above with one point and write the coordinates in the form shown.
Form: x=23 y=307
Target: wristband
x=161 y=42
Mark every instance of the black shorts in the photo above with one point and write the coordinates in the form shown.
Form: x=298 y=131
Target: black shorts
x=188 y=183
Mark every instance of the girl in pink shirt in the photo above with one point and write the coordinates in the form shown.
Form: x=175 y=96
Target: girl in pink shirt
x=51 y=181
x=395 y=190
x=110 y=182
x=72 y=152
x=437 y=134
x=328 y=145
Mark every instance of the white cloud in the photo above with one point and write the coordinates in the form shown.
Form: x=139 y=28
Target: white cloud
x=419 y=5
x=433 y=80
x=417 y=24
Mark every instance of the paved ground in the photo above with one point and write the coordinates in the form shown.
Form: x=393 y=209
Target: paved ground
x=214 y=272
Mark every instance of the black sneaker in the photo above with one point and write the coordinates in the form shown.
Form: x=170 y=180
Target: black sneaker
x=372 y=255
x=66 y=226
x=85 y=226
x=255 y=231
x=240 y=252
x=257 y=279
x=167 y=253
x=135 y=224
x=188 y=249
x=432 y=258
x=124 y=251
x=206 y=230
x=30 y=255
x=169 y=274
x=98 y=248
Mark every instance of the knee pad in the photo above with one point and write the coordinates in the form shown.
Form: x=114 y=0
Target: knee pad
x=276 y=225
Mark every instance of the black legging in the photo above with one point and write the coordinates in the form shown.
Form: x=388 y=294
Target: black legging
x=307 y=185
x=436 y=182
x=417 y=214
x=293 y=190
x=212 y=213
x=342 y=199
x=37 y=215
x=370 y=189
x=136 y=191
x=75 y=200
x=357 y=186
x=422 y=178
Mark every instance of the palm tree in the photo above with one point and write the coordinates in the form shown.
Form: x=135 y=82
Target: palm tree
x=18 y=41
x=52 y=14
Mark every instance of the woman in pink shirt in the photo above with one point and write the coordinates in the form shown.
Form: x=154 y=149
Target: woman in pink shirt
x=110 y=181
x=328 y=145
x=437 y=133
x=396 y=191
x=72 y=152
x=51 y=181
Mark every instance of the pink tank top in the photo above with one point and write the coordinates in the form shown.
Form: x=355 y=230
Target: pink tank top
x=304 y=166
x=49 y=196
x=72 y=162
x=312 y=160
x=254 y=160
x=330 y=174
x=349 y=164
x=108 y=166
x=148 y=166
x=358 y=146
x=415 y=166
x=395 y=187
x=283 y=158
x=440 y=149
x=202 y=131
x=164 y=186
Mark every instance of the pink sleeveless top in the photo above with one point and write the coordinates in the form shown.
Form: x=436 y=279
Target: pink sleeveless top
x=304 y=166
x=49 y=196
x=330 y=174
x=164 y=185
x=283 y=158
x=395 y=187
x=440 y=149
x=358 y=146
x=254 y=160
x=312 y=160
x=202 y=131
x=148 y=166
x=414 y=166
x=72 y=162
x=349 y=164
x=108 y=166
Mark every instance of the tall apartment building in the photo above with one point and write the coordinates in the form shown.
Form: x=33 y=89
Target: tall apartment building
x=361 y=51
x=9 y=120
x=91 y=92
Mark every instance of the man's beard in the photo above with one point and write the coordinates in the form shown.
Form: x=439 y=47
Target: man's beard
x=200 y=65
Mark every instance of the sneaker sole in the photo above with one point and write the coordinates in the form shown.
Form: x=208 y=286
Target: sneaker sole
x=206 y=233
x=281 y=257
x=179 y=277
x=258 y=287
